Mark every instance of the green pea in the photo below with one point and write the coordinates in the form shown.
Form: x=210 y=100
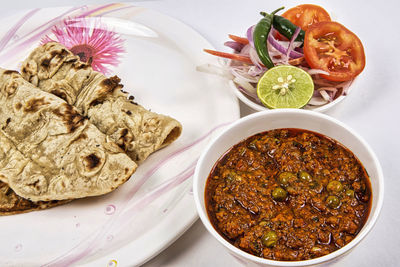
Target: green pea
x=315 y=249
x=304 y=176
x=233 y=177
x=350 y=193
x=279 y=194
x=270 y=239
x=333 y=202
x=284 y=178
x=262 y=223
x=334 y=186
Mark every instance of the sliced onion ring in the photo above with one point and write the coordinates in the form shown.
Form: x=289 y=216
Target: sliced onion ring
x=291 y=43
x=249 y=35
x=246 y=85
x=281 y=48
x=234 y=45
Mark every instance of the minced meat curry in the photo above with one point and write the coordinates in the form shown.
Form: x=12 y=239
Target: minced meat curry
x=288 y=194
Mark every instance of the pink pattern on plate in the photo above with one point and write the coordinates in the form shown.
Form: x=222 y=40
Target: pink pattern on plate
x=90 y=40
x=9 y=35
x=35 y=36
x=110 y=209
x=122 y=217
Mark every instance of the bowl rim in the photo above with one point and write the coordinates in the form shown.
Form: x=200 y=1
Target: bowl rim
x=360 y=236
x=259 y=107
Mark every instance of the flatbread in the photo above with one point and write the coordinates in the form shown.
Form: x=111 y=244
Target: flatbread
x=50 y=152
x=11 y=203
x=136 y=130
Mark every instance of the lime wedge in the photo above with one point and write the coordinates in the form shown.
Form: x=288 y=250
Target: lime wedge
x=285 y=86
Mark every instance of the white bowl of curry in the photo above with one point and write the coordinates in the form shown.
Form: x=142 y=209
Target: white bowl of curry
x=288 y=188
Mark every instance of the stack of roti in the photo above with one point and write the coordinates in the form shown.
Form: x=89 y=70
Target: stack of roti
x=69 y=132
x=11 y=203
x=137 y=131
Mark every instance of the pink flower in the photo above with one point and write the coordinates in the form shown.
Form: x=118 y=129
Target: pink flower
x=91 y=41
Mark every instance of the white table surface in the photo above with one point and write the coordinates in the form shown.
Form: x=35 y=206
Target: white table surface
x=372 y=109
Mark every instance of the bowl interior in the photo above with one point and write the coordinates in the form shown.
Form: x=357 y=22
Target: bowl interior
x=302 y=119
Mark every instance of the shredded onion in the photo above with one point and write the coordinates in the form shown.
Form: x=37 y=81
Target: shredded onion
x=254 y=57
x=243 y=74
x=290 y=46
x=234 y=45
x=325 y=95
x=245 y=50
x=249 y=35
x=299 y=49
x=277 y=57
x=255 y=71
x=245 y=84
x=329 y=89
x=317 y=101
x=275 y=43
x=323 y=82
x=317 y=71
x=346 y=86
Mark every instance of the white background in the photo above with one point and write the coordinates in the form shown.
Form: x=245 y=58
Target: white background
x=371 y=109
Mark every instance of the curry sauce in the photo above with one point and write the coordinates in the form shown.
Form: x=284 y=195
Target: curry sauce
x=288 y=194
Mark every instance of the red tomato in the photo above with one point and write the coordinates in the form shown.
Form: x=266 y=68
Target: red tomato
x=306 y=15
x=331 y=47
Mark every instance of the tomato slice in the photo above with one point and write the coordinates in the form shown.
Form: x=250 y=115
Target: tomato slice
x=331 y=47
x=306 y=15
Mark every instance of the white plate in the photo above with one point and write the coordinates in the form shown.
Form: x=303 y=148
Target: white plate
x=146 y=214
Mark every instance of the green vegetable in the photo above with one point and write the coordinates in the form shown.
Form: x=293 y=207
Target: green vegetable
x=315 y=249
x=287 y=28
x=333 y=202
x=279 y=194
x=350 y=193
x=260 y=37
x=262 y=223
x=334 y=187
x=305 y=176
x=284 y=178
x=270 y=239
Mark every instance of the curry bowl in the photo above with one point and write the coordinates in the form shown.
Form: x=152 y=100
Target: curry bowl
x=309 y=121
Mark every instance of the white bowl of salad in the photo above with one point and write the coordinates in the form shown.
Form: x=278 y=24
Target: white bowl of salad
x=318 y=103
x=304 y=37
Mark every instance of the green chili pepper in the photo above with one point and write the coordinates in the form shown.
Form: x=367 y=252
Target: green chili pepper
x=287 y=28
x=260 y=37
